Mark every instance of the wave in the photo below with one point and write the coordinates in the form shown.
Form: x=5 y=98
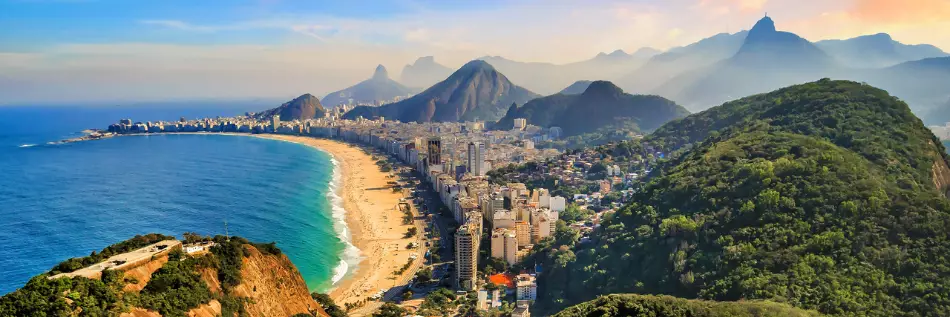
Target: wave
x=27 y=145
x=350 y=257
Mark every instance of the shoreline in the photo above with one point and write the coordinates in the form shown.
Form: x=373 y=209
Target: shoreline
x=369 y=222
x=373 y=222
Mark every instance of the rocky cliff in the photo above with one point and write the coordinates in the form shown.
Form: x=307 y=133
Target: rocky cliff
x=233 y=278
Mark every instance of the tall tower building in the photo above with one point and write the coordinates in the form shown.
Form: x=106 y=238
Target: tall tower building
x=476 y=158
x=434 y=150
x=275 y=123
x=466 y=256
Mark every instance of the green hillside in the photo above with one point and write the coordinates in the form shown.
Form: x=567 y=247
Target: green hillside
x=668 y=306
x=820 y=195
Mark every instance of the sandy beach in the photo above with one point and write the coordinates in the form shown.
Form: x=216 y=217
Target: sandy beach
x=374 y=222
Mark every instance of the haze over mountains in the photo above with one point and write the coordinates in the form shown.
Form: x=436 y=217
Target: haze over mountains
x=730 y=66
x=424 y=72
x=474 y=92
x=378 y=89
x=548 y=78
x=875 y=51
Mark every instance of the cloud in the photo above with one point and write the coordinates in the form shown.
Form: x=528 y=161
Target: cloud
x=180 y=25
x=901 y=11
x=320 y=53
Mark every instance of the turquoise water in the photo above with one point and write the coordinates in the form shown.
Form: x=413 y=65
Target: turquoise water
x=66 y=200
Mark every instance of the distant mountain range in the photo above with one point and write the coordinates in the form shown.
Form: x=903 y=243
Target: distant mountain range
x=768 y=59
x=378 y=89
x=602 y=105
x=424 y=72
x=474 y=92
x=548 y=78
x=876 y=51
x=664 y=67
x=306 y=106
x=727 y=66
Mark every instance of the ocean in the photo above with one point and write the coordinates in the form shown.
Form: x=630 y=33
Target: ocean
x=66 y=200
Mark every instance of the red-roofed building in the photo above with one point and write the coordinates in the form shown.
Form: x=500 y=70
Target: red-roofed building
x=503 y=279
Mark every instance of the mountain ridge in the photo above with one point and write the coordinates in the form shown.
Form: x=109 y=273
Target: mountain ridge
x=474 y=91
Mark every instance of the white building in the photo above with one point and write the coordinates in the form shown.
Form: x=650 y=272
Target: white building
x=558 y=203
x=527 y=288
x=488 y=299
x=543 y=224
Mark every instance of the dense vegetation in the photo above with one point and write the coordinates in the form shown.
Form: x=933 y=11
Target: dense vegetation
x=175 y=288
x=61 y=297
x=172 y=290
x=328 y=305
x=818 y=195
x=136 y=242
x=667 y=306
x=600 y=107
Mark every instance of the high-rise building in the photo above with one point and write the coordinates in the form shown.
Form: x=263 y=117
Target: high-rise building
x=504 y=245
x=434 y=146
x=476 y=158
x=523 y=232
x=275 y=123
x=466 y=256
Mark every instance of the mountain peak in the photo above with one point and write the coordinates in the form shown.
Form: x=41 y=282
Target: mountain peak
x=602 y=87
x=765 y=25
x=425 y=60
x=381 y=72
x=882 y=36
x=305 y=96
x=618 y=53
x=477 y=65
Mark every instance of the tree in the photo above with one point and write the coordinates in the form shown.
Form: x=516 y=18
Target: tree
x=424 y=275
x=390 y=310
x=411 y=232
x=328 y=305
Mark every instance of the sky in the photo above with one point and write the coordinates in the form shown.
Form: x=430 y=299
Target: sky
x=88 y=51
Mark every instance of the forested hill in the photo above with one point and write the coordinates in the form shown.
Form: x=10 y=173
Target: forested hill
x=601 y=105
x=851 y=115
x=817 y=195
x=667 y=306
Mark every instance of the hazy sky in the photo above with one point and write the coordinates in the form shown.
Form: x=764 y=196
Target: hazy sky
x=56 y=51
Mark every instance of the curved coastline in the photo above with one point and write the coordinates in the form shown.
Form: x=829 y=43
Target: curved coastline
x=374 y=224
x=350 y=256
x=368 y=218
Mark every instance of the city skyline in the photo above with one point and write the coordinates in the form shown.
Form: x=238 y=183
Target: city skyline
x=71 y=51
